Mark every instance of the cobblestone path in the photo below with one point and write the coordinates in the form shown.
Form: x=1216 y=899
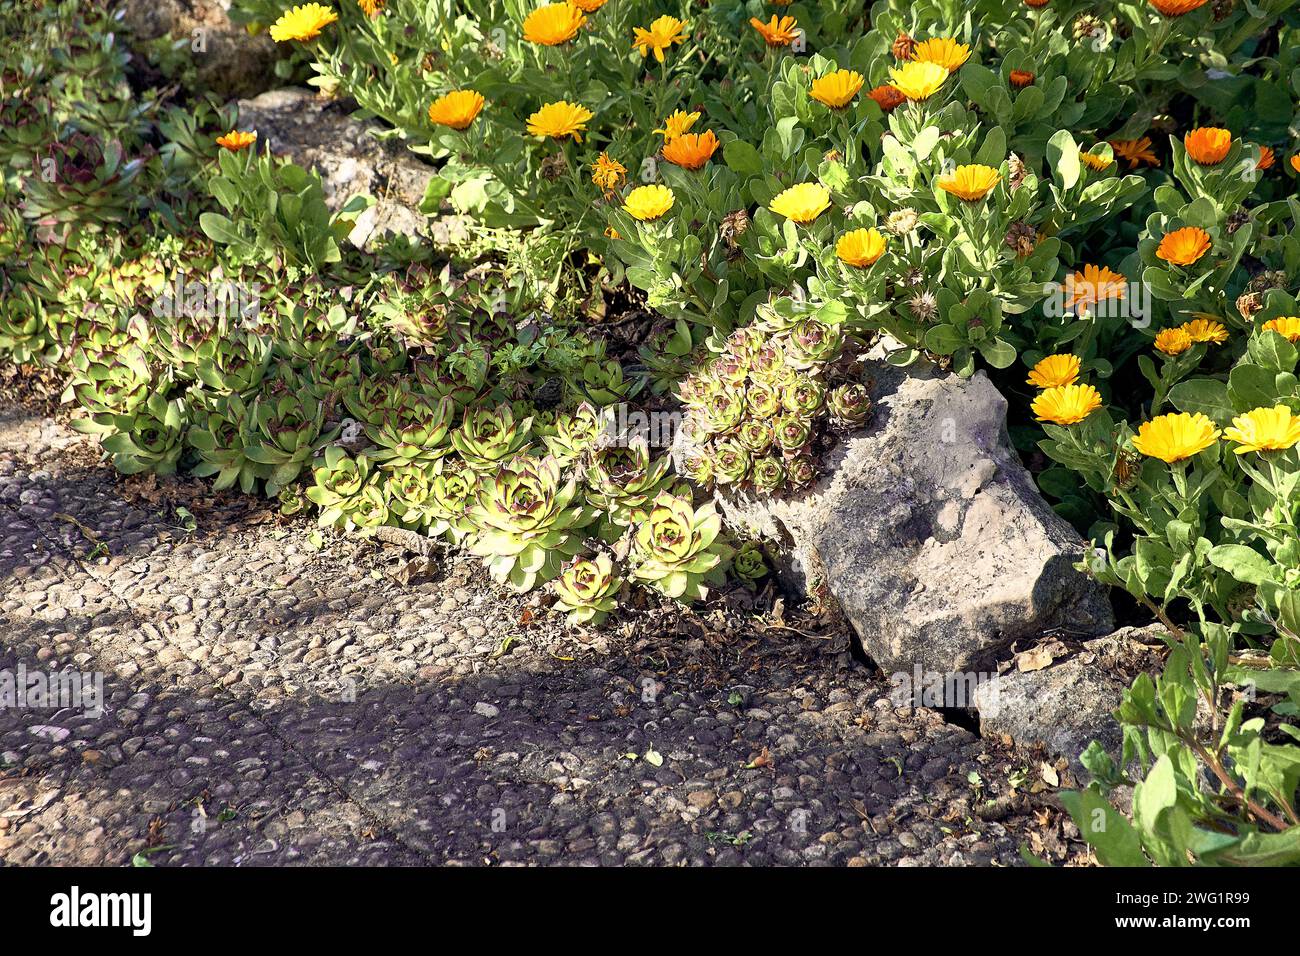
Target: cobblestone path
x=267 y=700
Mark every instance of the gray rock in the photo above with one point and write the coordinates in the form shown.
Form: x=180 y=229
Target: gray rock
x=1069 y=704
x=317 y=133
x=930 y=533
x=227 y=58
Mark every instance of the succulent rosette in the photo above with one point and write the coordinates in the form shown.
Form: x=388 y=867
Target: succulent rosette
x=528 y=522
x=487 y=438
x=849 y=405
x=587 y=589
x=679 y=549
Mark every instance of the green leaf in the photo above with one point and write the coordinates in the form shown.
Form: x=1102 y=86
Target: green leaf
x=742 y=158
x=1243 y=563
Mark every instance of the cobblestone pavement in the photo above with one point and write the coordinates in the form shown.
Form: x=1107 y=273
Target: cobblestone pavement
x=267 y=700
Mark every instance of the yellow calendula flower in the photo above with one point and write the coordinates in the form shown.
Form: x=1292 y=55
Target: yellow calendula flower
x=860 y=247
x=560 y=119
x=1208 y=145
x=691 y=150
x=677 y=124
x=456 y=109
x=1055 y=371
x=236 y=140
x=1206 y=330
x=607 y=173
x=1175 y=437
x=837 y=89
x=1066 y=404
x=1288 y=326
x=945 y=51
x=649 y=202
x=1264 y=429
x=1092 y=286
x=553 y=24
x=663 y=33
x=971 y=183
x=802 y=203
x=1173 y=341
x=1183 y=247
x=779 y=31
x=1094 y=162
x=917 y=80
x=303 y=22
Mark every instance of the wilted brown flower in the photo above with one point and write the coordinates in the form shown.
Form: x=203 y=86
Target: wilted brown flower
x=733 y=227
x=554 y=166
x=1016 y=172
x=903 y=46
x=1021 y=238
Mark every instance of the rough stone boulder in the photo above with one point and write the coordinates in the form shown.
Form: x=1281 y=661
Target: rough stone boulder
x=227 y=58
x=930 y=533
x=1066 y=703
x=317 y=133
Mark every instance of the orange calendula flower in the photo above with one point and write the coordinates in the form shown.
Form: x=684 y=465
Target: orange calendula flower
x=649 y=202
x=607 y=173
x=589 y=6
x=802 y=203
x=1094 y=162
x=456 y=109
x=837 y=89
x=1175 y=437
x=1095 y=284
x=1288 y=326
x=691 y=150
x=917 y=80
x=945 y=51
x=1264 y=429
x=1136 y=151
x=1020 y=78
x=553 y=24
x=1182 y=247
x=779 y=31
x=1176 y=8
x=971 y=183
x=1295 y=163
x=1055 y=371
x=887 y=97
x=560 y=119
x=370 y=7
x=1206 y=330
x=1208 y=145
x=677 y=124
x=1174 y=341
x=236 y=140
x=860 y=247
x=663 y=33
x=1266 y=158
x=303 y=22
x=1066 y=404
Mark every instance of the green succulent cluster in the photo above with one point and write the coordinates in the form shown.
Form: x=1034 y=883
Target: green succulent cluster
x=756 y=413
x=679 y=549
